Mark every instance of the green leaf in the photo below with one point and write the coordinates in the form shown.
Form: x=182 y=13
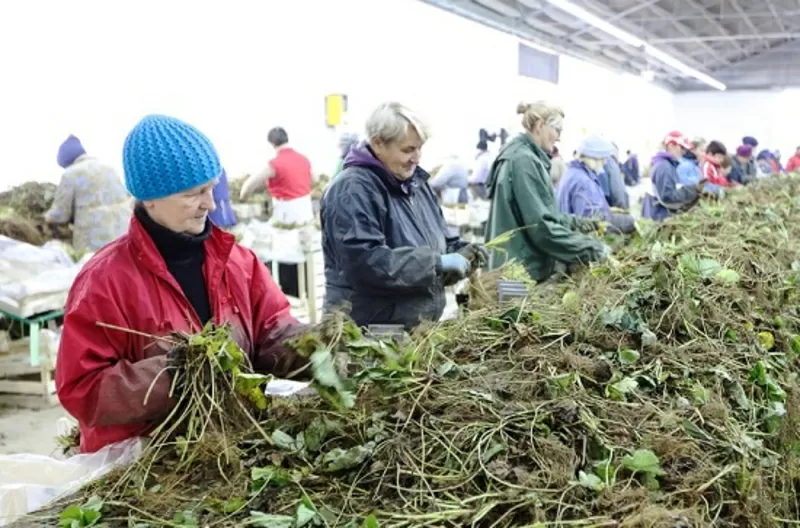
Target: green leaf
x=304 y=515
x=283 y=441
x=700 y=394
x=644 y=461
x=266 y=520
x=590 y=481
x=274 y=476
x=339 y=459
x=371 y=522
x=628 y=356
x=727 y=276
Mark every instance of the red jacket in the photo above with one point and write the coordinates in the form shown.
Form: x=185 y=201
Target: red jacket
x=103 y=375
x=292 y=177
x=794 y=164
x=713 y=173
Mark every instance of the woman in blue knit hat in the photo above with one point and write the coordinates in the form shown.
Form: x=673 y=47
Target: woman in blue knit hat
x=174 y=271
x=91 y=196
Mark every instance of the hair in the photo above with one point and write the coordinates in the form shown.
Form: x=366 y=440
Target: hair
x=716 y=147
x=540 y=111
x=390 y=122
x=726 y=162
x=697 y=141
x=277 y=137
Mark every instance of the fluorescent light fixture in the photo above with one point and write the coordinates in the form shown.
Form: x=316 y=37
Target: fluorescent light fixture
x=614 y=31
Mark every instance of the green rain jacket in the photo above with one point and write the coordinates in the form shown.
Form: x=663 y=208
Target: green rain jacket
x=522 y=195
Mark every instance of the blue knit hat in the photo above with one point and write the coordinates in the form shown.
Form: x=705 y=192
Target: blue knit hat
x=595 y=147
x=164 y=156
x=70 y=150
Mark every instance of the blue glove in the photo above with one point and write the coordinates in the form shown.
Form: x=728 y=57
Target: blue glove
x=455 y=264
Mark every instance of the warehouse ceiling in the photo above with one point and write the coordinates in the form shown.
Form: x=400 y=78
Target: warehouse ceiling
x=745 y=44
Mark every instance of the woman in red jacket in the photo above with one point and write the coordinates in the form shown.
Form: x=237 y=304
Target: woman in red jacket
x=712 y=170
x=173 y=271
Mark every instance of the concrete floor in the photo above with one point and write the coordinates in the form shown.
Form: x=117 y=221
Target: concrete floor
x=30 y=428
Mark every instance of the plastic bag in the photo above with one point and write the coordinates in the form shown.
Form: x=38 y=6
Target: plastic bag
x=30 y=482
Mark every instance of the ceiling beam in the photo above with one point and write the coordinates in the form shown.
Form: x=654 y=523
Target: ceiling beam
x=714 y=23
x=717 y=16
x=747 y=21
x=683 y=28
x=517 y=28
x=725 y=38
x=617 y=16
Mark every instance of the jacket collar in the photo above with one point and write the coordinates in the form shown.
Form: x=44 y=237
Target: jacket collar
x=218 y=247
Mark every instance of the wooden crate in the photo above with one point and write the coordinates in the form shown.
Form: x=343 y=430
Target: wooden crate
x=17 y=376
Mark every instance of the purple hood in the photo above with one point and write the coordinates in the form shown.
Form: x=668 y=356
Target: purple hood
x=70 y=150
x=663 y=156
x=361 y=156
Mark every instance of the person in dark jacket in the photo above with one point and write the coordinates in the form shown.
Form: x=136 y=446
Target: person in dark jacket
x=631 y=170
x=744 y=169
x=666 y=196
x=223 y=215
x=752 y=171
x=387 y=249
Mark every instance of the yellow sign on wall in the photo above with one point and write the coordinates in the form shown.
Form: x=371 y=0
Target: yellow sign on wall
x=335 y=109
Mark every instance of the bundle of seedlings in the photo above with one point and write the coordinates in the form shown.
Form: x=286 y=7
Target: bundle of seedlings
x=657 y=389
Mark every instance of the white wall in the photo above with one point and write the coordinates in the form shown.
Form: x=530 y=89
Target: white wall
x=772 y=117
x=93 y=68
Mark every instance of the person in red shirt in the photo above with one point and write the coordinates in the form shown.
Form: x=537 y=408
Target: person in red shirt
x=288 y=179
x=794 y=162
x=712 y=164
x=173 y=271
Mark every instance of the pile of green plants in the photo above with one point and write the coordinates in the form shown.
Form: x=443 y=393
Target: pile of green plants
x=658 y=389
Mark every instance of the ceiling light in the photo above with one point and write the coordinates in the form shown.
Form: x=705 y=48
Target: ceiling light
x=614 y=31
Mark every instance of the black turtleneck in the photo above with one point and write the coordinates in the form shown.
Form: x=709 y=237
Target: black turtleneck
x=184 y=255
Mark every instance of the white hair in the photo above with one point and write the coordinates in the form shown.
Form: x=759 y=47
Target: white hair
x=390 y=122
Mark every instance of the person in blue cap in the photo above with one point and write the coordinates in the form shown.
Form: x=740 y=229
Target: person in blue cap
x=579 y=191
x=90 y=196
x=173 y=271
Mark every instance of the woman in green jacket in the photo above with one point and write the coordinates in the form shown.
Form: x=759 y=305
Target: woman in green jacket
x=523 y=199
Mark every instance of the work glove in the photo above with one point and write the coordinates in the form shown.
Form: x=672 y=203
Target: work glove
x=586 y=225
x=455 y=266
x=476 y=254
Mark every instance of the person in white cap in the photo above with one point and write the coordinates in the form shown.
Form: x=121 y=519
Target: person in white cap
x=666 y=196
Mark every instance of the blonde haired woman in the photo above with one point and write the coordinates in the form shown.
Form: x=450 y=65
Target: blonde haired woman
x=388 y=251
x=522 y=196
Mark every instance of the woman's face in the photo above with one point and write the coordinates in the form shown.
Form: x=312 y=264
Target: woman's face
x=401 y=157
x=700 y=150
x=718 y=158
x=184 y=212
x=547 y=133
x=595 y=164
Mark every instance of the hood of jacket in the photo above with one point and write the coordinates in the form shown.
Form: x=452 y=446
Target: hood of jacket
x=363 y=156
x=519 y=144
x=661 y=156
x=691 y=156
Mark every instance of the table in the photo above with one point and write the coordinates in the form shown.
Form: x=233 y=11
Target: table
x=16 y=365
